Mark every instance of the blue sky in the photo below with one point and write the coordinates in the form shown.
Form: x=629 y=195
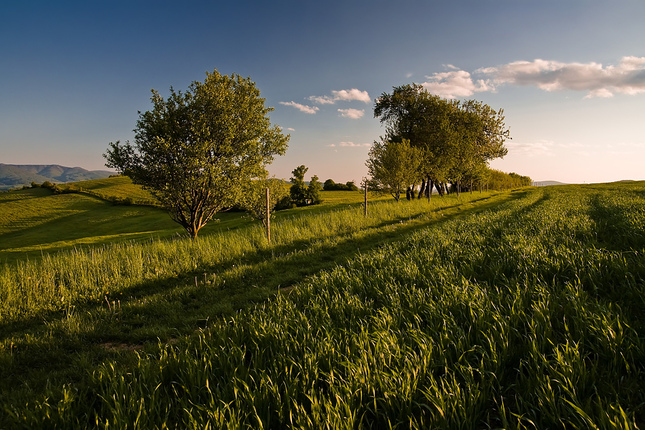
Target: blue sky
x=569 y=74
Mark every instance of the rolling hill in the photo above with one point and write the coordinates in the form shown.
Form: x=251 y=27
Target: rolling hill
x=16 y=175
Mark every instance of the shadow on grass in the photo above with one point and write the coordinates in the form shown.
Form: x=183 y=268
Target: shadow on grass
x=55 y=348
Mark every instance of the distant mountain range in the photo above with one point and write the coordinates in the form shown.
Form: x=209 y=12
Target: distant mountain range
x=16 y=175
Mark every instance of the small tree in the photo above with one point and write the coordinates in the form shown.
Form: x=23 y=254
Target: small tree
x=254 y=197
x=301 y=194
x=313 y=191
x=394 y=166
x=298 y=190
x=195 y=149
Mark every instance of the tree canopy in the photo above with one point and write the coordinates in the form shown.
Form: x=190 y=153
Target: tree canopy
x=456 y=139
x=301 y=193
x=394 y=166
x=195 y=149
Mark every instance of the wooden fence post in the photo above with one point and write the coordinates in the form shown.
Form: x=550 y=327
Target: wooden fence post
x=365 y=204
x=268 y=216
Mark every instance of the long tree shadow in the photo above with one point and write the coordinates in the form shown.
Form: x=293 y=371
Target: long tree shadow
x=165 y=309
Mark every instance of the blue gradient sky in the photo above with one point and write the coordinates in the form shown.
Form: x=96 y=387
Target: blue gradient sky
x=569 y=74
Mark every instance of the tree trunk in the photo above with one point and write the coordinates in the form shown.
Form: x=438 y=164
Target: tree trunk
x=423 y=188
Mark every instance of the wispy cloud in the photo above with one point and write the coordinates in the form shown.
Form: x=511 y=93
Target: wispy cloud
x=549 y=148
x=535 y=148
x=350 y=145
x=627 y=77
x=351 y=113
x=301 y=107
x=342 y=95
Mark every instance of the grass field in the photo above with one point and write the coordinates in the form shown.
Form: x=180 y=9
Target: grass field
x=505 y=310
x=35 y=221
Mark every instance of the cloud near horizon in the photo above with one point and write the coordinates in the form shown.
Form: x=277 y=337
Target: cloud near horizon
x=628 y=77
x=302 y=108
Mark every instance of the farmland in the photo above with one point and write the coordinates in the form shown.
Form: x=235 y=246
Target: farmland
x=519 y=309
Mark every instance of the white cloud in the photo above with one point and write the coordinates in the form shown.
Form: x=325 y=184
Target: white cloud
x=628 y=77
x=351 y=113
x=457 y=83
x=342 y=95
x=353 y=94
x=302 y=108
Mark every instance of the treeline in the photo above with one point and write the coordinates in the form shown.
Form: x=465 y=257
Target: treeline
x=497 y=180
x=433 y=144
x=330 y=185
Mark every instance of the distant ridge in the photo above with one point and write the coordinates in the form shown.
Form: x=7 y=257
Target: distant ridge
x=18 y=175
x=547 y=183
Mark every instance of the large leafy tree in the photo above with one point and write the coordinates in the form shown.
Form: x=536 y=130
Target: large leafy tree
x=195 y=149
x=455 y=139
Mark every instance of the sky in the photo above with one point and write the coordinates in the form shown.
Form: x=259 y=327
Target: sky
x=569 y=75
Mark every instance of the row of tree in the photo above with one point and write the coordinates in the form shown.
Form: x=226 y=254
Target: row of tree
x=500 y=181
x=434 y=143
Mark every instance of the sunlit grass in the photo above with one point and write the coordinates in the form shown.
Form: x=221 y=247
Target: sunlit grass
x=511 y=310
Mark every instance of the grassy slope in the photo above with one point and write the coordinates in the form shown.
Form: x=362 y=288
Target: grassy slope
x=562 y=255
x=35 y=221
x=178 y=287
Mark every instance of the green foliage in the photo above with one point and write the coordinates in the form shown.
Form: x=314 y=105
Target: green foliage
x=457 y=140
x=497 y=180
x=330 y=185
x=394 y=166
x=254 y=199
x=313 y=191
x=195 y=149
x=302 y=194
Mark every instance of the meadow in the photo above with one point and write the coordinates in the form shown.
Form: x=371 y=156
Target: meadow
x=519 y=309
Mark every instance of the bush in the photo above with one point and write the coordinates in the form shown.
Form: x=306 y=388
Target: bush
x=330 y=185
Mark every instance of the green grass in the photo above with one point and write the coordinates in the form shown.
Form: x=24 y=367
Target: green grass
x=119 y=186
x=505 y=310
x=35 y=221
